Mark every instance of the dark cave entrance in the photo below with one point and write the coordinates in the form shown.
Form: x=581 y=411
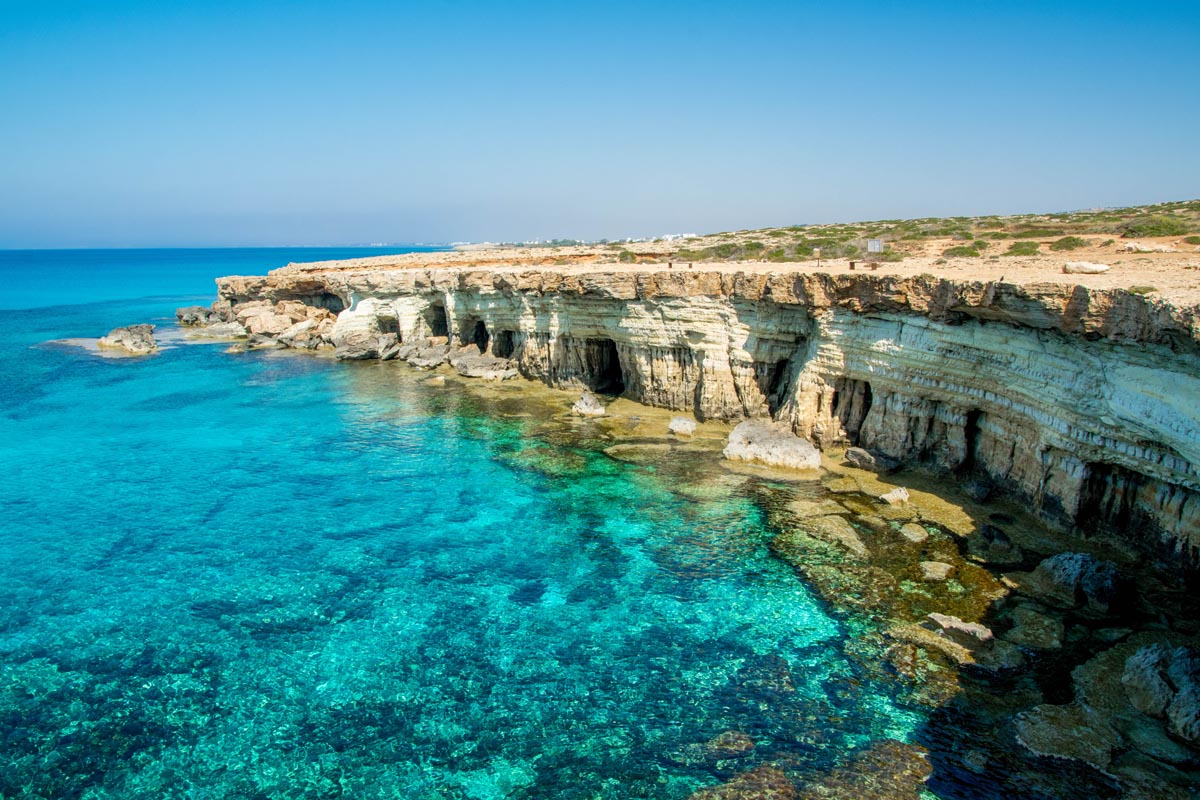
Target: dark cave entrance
x=606 y=369
x=1106 y=499
x=773 y=383
x=851 y=402
x=971 y=437
x=480 y=336
x=435 y=317
x=504 y=345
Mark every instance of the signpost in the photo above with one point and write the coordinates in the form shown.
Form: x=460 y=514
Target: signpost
x=817 y=255
x=874 y=245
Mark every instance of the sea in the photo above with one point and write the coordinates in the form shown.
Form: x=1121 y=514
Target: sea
x=274 y=575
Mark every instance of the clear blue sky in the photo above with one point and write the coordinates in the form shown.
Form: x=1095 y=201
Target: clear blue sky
x=211 y=123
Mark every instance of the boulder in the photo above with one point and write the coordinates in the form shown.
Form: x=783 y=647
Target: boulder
x=193 y=316
x=836 y=529
x=358 y=348
x=429 y=357
x=1161 y=681
x=489 y=368
x=1035 y=630
x=864 y=459
x=914 y=533
x=1084 y=268
x=136 y=340
x=588 y=405
x=771 y=444
x=682 y=426
x=1078 y=580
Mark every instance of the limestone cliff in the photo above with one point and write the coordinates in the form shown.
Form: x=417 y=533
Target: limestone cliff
x=1083 y=401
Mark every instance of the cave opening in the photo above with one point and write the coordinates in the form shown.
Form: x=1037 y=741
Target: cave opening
x=504 y=345
x=435 y=317
x=608 y=377
x=480 y=336
x=971 y=437
x=851 y=402
x=1106 y=499
x=772 y=382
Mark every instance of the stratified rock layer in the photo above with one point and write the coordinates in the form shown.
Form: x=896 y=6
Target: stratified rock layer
x=1082 y=401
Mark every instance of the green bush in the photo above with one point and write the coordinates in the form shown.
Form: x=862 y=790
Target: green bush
x=962 y=251
x=626 y=257
x=725 y=250
x=1153 y=226
x=754 y=247
x=1192 y=240
x=1022 y=249
x=1142 y=289
x=779 y=254
x=1069 y=243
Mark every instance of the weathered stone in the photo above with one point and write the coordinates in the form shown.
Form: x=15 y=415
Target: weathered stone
x=1084 y=268
x=219 y=330
x=190 y=316
x=489 y=368
x=1145 y=680
x=864 y=459
x=770 y=444
x=1035 y=630
x=896 y=497
x=1077 y=580
x=914 y=533
x=588 y=405
x=682 y=426
x=137 y=340
x=936 y=570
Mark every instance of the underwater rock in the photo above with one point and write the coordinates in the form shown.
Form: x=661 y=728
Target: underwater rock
x=887 y=770
x=1076 y=580
x=764 y=783
x=771 y=444
x=914 y=533
x=137 y=340
x=896 y=497
x=1071 y=731
x=836 y=530
x=437 y=380
x=936 y=570
x=588 y=405
x=730 y=744
x=682 y=426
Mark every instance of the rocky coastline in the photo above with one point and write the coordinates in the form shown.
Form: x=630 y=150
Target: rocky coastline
x=1059 y=574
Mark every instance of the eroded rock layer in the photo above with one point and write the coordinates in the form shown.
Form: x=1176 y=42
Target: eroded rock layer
x=1083 y=401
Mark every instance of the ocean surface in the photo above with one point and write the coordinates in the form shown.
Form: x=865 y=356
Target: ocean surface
x=272 y=575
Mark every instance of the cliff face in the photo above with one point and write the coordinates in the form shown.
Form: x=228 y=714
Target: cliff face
x=1082 y=401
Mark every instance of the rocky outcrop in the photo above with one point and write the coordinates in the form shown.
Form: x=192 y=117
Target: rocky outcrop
x=771 y=444
x=135 y=340
x=1077 y=400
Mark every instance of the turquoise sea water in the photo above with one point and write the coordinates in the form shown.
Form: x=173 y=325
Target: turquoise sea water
x=273 y=575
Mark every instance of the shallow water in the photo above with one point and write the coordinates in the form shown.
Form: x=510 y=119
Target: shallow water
x=273 y=575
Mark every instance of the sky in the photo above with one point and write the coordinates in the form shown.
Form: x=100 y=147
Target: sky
x=141 y=124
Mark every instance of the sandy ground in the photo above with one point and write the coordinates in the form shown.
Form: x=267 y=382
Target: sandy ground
x=1172 y=277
